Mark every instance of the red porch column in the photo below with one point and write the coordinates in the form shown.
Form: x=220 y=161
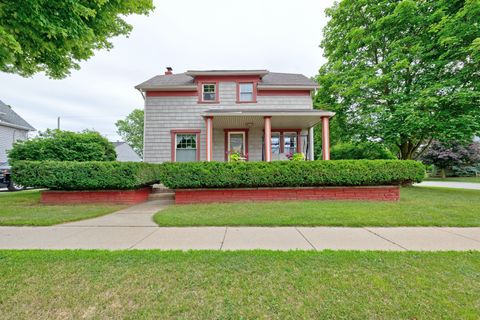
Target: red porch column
x=325 y=138
x=209 y=144
x=268 y=138
x=299 y=141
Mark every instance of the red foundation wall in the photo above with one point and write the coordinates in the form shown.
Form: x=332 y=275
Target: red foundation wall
x=375 y=193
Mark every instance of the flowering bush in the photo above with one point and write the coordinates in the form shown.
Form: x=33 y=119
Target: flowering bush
x=237 y=157
x=295 y=156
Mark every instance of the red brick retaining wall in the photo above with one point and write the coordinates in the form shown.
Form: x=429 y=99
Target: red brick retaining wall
x=374 y=193
x=95 y=196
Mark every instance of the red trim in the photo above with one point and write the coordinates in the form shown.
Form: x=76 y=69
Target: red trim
x=283 y=92
x=374 y=193
x=254 y=93
x=200 y=91
x=282 y=142
x=173 y=141
x=225 y=144
x=171 y=93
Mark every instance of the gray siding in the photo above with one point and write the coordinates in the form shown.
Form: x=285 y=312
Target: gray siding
x=8 y=136
x=163 y=114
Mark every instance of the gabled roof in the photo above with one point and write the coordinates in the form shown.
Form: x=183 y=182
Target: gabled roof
x=173 y=81
x=269 y=80
x=10 y=118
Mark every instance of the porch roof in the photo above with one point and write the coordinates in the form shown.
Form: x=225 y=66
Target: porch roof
x=254 y=118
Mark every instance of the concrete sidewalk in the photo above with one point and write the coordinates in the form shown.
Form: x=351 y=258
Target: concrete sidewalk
x=450 y=184
x=239 y=238
x=133 y=228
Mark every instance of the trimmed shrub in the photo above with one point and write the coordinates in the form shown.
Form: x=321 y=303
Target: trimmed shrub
x=361 y=150
x=290 y=173
x=93 y=175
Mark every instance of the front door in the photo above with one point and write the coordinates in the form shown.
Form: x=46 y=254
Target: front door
x=236 y=144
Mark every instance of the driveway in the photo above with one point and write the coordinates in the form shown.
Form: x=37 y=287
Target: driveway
x=448 y=184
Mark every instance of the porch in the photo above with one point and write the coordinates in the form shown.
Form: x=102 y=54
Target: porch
x=264 y=134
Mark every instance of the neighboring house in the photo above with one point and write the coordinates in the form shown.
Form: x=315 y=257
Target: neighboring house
x=125 y=152
x=12 y=128
x=210 y=115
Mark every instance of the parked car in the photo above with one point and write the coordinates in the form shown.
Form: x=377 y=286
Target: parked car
x=6 y=179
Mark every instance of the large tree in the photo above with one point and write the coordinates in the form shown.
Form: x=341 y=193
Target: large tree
x=403 y=72
x=54 y=36
x=131 y=130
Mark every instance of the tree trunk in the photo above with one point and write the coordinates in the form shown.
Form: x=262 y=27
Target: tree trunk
x=407 y=150
x=443 y=174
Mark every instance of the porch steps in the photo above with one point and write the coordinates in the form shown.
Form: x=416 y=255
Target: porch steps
x=160 y=192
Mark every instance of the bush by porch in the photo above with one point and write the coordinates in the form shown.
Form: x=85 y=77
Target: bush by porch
x=290 y=174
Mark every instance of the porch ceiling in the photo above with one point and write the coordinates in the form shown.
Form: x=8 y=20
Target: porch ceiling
x=281 y=119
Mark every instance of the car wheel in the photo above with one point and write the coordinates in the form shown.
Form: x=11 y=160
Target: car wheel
x=12 y=186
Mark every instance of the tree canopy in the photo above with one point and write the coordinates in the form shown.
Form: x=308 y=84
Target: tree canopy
x=61 y=145
x=131 y=130
x=403 y=72
x=54 y=36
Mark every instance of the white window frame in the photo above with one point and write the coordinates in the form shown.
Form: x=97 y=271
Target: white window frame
x=240 y=92
x=196 y=143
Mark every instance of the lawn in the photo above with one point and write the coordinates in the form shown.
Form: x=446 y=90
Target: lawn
x=239 y=285
x=24 y=209
x=419 y=206
x=456 y=179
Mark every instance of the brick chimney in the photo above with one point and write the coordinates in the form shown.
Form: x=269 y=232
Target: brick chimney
x=169 y=71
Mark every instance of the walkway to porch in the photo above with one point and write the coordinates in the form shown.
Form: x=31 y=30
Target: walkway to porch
x=283 y=132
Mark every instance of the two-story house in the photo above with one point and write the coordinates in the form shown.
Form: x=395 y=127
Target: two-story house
x=210 y=115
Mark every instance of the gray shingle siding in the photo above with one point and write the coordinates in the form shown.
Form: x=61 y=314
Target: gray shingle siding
x=8 y=136
x=163 y=114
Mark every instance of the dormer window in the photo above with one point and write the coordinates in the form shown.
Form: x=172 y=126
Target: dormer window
x=209 y=92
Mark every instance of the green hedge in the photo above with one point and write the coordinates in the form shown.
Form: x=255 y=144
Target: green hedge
x=290 y=173
x=96 y=175
x=93 y=175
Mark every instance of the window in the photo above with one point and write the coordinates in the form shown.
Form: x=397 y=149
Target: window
x=275 y=142
x=186 y=147
x=245 y=92
x=290 y=144
x=209 y=92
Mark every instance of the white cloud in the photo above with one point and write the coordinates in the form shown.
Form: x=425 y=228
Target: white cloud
x=280 y=36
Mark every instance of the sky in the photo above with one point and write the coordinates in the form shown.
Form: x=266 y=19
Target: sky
x=280 y=36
